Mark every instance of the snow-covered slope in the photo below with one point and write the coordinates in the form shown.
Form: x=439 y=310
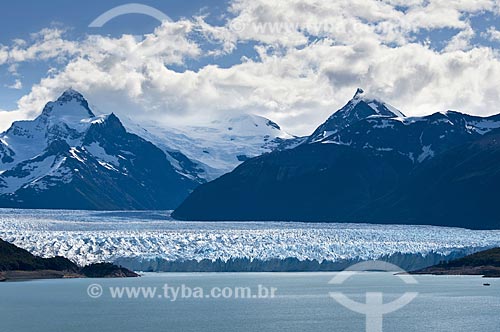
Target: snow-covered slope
x=69 y=158
x=68 y=143
x=367 y=162
x=217 y=147
x=360 y=107
x=67 y=119
x=417 y=138
x=368 y=122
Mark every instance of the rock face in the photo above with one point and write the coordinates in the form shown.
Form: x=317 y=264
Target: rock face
x=368 y=163
x=486 y=263
x=17 y=259
x=19 y=264
x=360 y=107
x=106 y=270
x=68 y=158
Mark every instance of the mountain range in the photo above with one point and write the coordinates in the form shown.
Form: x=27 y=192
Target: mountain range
x=368 y=163
x=69 y=158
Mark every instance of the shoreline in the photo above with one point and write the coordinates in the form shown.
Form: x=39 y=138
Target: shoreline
x=17 y=275
x=22 y=276
x=485 y=263
x=485 y=272
x=19 y=264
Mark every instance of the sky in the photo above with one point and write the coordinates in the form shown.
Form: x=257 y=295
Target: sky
x=293 y=61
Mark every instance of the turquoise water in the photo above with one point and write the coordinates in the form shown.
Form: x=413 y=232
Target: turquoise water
x=301 y=303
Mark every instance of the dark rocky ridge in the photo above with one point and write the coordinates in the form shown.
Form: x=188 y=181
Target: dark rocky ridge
x=19 y=264
x=485 y=263
x=441 y=170
x=106 y=270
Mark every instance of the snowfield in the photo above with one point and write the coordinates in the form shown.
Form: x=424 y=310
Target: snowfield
x=217 y=146
x=88 y=237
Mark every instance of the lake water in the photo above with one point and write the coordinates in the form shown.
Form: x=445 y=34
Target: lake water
x=301 y=303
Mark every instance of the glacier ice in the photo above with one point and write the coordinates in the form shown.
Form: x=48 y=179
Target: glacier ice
x=88 y=237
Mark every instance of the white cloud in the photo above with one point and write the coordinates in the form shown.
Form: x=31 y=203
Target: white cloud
x=345 y=21
x=461 y=41
x=46 y=44
x=17 y=85
x=220 y=35
x=492 y=34
x=7 y=117
x=304 y=70
x=4 y=54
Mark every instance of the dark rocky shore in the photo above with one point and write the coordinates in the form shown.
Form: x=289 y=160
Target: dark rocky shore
x=19 y=264
x=485 y=263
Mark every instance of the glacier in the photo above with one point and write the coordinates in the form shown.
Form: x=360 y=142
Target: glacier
x=217 y=146
x=153 y=241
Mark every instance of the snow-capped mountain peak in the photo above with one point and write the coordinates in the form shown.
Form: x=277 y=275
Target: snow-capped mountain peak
x=70 y=94
x=68 y=131
x=69 y=158
x=68 y=118
x=71 y=106
x=359 y=93
x=380 y=107
x=249 y=125
x=383 y=129
x=217 y=146
x=361 y=106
